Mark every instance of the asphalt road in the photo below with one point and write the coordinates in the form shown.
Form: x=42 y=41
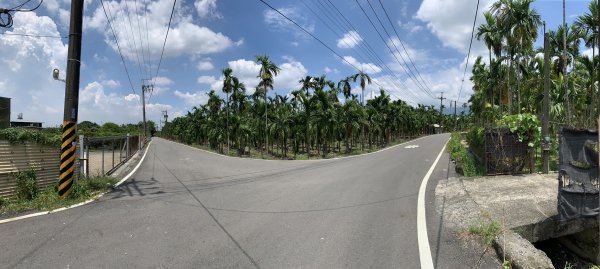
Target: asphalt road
x=186 y=208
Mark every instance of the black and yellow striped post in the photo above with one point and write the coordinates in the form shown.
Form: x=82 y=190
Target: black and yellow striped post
x=67 y=148
x=67 y=159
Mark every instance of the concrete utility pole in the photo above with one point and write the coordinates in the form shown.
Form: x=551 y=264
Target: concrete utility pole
x=598 y=36
x=442 y=98
x=566 y=80
x=145 y=88
x=546 y=104
x=67 y=147
x=455 y=119
x=165 y=115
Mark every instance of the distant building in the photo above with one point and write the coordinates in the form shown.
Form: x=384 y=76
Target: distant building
x=4 y=112
x=26 y=124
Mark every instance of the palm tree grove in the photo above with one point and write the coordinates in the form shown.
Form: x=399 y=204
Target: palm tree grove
x=324 y=118
x=321 y=119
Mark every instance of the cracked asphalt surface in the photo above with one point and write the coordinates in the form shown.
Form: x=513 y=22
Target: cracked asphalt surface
x=186 y=208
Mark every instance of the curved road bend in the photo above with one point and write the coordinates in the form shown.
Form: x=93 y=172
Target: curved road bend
x=186 y=208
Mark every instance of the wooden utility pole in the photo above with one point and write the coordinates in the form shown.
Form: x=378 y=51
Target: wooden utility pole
x=564 y=55
x=69 y=128
x=546 y=104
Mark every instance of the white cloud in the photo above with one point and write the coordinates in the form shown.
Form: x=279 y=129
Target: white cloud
x=185 y=37
x=366 y=67
x=27 y=76
x=278 y=23
x=330 y=70
x=207 y=8
x=193 y=99
x=98 y=105
x=291 y=72
x=349 y=40
x=161 y=85
x=411 y=26
x=452 y=21
x=215 y=84
x=247 y=72
x=205 y=65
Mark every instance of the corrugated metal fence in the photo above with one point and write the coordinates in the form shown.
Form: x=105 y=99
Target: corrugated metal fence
x=20 y=157
x=104 y=156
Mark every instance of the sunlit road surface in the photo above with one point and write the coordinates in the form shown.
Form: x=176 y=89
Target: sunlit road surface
x=186 y=208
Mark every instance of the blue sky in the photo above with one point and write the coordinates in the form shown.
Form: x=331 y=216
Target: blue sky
x=209 y=35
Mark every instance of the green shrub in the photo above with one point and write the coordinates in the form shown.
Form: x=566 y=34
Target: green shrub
x=476 y=140
x=27 y=188
x=526 y=126
x=21 y=135
x=463 y=158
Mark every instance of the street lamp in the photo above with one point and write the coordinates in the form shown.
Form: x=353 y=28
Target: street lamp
x=55 y=75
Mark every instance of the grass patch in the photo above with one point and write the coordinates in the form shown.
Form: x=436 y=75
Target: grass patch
x=488 y=230
x=48 y=199
x=464 y=160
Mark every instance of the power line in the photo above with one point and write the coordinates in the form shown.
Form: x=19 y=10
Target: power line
x=402 y=43
x=468 y=54
x=392 y=52
x=31 y=35
x=340 y=25
x=18 y=8
x=163 y=48
x=367 y=47
x=320 y=41
x=118 y=46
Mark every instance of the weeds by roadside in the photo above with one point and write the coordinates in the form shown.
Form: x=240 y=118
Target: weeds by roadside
x=486 y=229
x=463 y=158
x=48 y=199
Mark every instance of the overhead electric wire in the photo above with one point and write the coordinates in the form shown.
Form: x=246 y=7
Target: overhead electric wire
x=135 y=47
x=469 y=53
x=390 y=49
x=21 y=5
x=163 y=48
x=416 y=80
x=425 y=90
x=31 y=35
x=147 y=41
x=141 y=40
x=402 y=43
x=18 y=8
x=118 y=46
x=321 y=42
x=340 y=25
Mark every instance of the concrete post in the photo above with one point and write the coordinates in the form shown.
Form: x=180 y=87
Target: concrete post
x=82 y=159
x=127 y=150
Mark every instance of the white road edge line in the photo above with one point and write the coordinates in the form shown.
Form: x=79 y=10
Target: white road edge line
x=424 y=250
x=82 y=203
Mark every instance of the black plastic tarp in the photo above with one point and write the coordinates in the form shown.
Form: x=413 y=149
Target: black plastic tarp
x=578 y=176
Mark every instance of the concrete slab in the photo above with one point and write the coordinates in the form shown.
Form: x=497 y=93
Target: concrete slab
x=525 y=206
x=515 y=200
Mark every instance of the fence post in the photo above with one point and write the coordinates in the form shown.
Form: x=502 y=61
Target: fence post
x=128 y=150
x=82 y=159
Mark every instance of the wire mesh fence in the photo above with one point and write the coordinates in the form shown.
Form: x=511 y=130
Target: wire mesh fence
x=104 y=155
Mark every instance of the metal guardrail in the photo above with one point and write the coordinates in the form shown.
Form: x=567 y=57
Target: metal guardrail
x=104 y=155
